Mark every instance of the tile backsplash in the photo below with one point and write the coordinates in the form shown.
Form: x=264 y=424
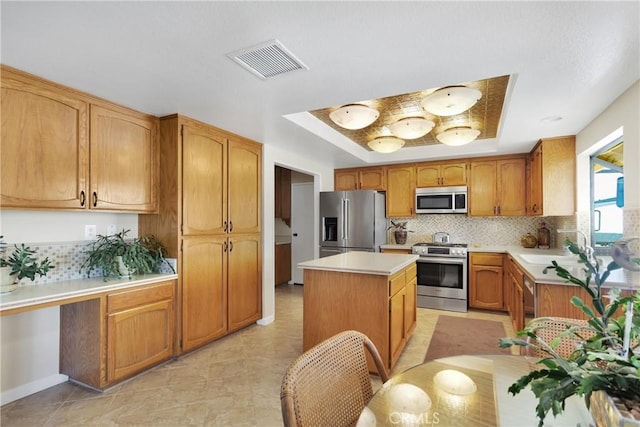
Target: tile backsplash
x=67 y=257
x=485 y=231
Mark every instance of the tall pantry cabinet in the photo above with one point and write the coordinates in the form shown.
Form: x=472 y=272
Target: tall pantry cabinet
x=210 y=220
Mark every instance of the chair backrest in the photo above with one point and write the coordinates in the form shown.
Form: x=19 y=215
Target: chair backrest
x=548 y=328
x=329 y=384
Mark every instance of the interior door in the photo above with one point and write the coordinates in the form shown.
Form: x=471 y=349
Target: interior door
x=302 y=210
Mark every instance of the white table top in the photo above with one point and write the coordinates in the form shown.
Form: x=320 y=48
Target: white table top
x=361 y=262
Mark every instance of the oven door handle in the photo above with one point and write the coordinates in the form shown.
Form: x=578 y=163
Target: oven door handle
x=443 y=260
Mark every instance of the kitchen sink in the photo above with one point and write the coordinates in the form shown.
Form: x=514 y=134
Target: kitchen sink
x=546 y=259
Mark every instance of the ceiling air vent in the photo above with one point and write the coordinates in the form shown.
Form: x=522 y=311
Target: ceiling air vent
x=267 y=59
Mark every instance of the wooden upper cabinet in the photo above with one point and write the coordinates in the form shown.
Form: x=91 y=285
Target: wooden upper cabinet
x=360 y=179
x=44 y=145
x=51 y=161
x=441 y=174
x=497 y=187
x=244 y=186
x=401 y=188
x=551 y=180
x=124 y=161
x=204 y=181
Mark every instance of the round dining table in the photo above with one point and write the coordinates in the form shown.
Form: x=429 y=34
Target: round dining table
x=470 y=390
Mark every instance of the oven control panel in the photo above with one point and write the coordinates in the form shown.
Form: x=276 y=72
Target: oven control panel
x=443 y=251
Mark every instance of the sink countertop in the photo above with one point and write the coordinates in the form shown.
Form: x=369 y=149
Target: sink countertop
x=361 y=262
x=618 y=278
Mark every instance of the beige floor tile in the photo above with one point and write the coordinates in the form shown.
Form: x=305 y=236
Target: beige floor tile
x=234 y=381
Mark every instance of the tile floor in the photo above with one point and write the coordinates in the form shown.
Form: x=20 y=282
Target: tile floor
x=234 y=381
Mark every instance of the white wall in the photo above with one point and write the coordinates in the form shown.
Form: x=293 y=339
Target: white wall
x=323 y=181
x=623 y=113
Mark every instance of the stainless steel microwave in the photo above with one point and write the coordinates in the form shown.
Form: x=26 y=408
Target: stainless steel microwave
x=441 y=200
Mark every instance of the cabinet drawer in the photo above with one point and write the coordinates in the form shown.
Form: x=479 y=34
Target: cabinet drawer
x=136 y=297
x=486 y=259
x=410 y=273
x=396 y=282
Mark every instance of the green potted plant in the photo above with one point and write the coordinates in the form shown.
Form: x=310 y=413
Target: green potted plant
x=607 y=360
x=399 y=231
x=20 y=264
x=116 y=255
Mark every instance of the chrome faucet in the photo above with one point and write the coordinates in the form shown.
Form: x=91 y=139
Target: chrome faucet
x=588 y=250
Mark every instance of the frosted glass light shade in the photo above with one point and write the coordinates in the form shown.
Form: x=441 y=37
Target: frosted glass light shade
x=411 y=127
x=452 y=100
x=458 y=136
x=454 y=382
x=354 y=116
x=386 y=144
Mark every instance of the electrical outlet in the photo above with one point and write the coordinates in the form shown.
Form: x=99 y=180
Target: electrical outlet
x=90 y=232
x=111 y=229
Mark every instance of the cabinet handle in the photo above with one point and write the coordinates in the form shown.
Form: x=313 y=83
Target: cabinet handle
x=95 y=199
x=82 y=198
x=224 y=247
x=230 y=245
x=224 y=226
x=230 y=226
x=535 y=207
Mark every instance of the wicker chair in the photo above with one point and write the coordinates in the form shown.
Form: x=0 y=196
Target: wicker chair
x=549 y=328
x=329 y=384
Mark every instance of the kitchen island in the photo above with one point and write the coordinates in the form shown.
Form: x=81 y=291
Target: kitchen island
x=374 y=293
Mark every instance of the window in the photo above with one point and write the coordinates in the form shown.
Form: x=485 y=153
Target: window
x=607 y=195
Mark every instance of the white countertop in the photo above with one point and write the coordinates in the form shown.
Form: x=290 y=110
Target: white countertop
x=618 y=278
x=361 y=262
x=32 y=295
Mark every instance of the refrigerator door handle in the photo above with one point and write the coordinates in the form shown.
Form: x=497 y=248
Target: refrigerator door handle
x=342 y=214
x=346 y=219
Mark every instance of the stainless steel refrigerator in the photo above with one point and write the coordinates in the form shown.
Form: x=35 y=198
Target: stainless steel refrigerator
x=352 y=221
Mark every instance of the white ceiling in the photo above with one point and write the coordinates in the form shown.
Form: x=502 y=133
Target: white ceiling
x=568 y=59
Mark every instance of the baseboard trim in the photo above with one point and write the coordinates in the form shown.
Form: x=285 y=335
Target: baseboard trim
x=8 y=396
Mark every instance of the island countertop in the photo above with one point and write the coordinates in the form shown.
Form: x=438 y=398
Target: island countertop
x=361 y=262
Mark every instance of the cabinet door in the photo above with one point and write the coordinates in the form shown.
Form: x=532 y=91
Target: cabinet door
x=245 y=186
x=204 y=181
x=428 y=176
x=44 y=146
x=282 y=200
x=482 y=189
x=485 y=287
x=454 y=174
x=410 y=314
x=244 y=280
x=512 y=187
x=517 y=301
x=401 y=190
x=534 y=183
x=138 y=338
x=282 y=263
x=345 y=180
x=204 y=295
x=397 y=329
x=372 y=179
x=124 y=161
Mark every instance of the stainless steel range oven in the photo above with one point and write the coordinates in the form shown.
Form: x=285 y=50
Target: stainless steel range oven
x=442 y=275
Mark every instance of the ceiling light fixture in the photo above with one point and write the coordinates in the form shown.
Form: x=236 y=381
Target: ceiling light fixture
x=354 y=116
x=411 y=127
x=451 y=100
x=386 y=144
x=458 y=135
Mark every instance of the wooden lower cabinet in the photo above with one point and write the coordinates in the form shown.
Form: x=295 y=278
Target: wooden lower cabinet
x=381 y=307
x=244 y=283
x=113 y=337
x=486 y=281
x=282 y=259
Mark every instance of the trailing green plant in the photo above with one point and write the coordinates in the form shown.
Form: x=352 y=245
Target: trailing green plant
x=140 y=255
x=398 y=226
x=602 y=361
x=23 y=262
